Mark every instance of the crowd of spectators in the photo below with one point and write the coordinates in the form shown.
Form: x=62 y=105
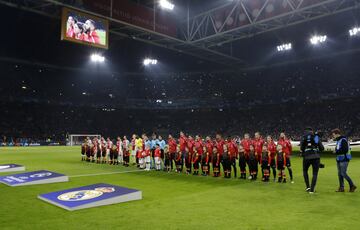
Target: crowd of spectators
x=43 y=103
x=45 y=121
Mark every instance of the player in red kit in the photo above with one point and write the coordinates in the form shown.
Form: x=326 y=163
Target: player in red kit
x=258 y=143
x=191 y=144
x=188 y=160
x=233 y=153
x=272 y=149
x=246 y=143
x=209 y=144
x=172 y=149
x=182 y=142
x=219 y=144
x=191 y=147
x=287 y=149
x=198 y=145
x=183 y=145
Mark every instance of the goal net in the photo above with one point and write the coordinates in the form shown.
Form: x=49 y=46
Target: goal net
x=78 y=139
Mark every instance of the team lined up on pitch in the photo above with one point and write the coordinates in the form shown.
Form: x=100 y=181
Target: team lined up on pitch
x=191 y=155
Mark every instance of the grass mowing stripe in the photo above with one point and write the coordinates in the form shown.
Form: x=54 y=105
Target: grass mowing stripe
x=110 y=173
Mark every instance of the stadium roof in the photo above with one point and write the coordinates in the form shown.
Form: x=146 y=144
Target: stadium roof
x=206 y=31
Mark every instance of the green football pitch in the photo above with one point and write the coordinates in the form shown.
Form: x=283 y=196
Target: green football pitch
x=173 y=201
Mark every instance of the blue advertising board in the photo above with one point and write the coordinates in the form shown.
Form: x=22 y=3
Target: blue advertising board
x=31 y=178
x=11 y=168
x=91 y=196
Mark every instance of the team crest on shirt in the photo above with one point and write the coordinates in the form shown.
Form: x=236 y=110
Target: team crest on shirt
x=85 y=194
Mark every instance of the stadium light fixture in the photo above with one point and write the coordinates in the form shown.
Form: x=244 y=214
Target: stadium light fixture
x=354 y=31
x=166 y=5
x=97 y=58
x=149 y=61
x=284 y=47
x=315 y=40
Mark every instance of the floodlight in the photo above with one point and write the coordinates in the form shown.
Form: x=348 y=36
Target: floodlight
x=354 y=31
x=149 y=61
x=97 y=58
x=166 y=5
x=315 y=40
x=284 y=47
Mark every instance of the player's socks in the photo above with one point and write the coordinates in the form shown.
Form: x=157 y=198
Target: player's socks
x=290 y=173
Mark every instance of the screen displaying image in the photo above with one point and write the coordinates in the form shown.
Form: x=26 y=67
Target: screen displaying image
x=84 y=28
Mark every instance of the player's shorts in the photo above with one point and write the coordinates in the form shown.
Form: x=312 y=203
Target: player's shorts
x=280 y=165
x=264 y=164
x=288 y=162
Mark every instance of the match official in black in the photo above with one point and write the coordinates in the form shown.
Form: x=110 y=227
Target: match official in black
x=311 y=147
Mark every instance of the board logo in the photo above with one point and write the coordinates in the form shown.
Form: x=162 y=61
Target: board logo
x=85 y=194
x=41 y=175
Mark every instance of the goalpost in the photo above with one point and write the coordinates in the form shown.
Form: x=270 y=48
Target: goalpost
x=78 y=139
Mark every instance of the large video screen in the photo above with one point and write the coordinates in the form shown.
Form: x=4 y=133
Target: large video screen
x=84 y=28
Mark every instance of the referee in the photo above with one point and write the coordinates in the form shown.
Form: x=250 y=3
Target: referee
x=311 y=147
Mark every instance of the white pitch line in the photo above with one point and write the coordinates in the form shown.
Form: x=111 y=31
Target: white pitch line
x=110 y=173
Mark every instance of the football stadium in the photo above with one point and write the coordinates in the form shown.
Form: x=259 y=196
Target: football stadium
x=180 y=114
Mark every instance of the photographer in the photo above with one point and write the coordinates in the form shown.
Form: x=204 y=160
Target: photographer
x=343 y=157
x=311 y=147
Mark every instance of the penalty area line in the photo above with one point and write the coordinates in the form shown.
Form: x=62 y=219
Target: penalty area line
x=109 y=173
